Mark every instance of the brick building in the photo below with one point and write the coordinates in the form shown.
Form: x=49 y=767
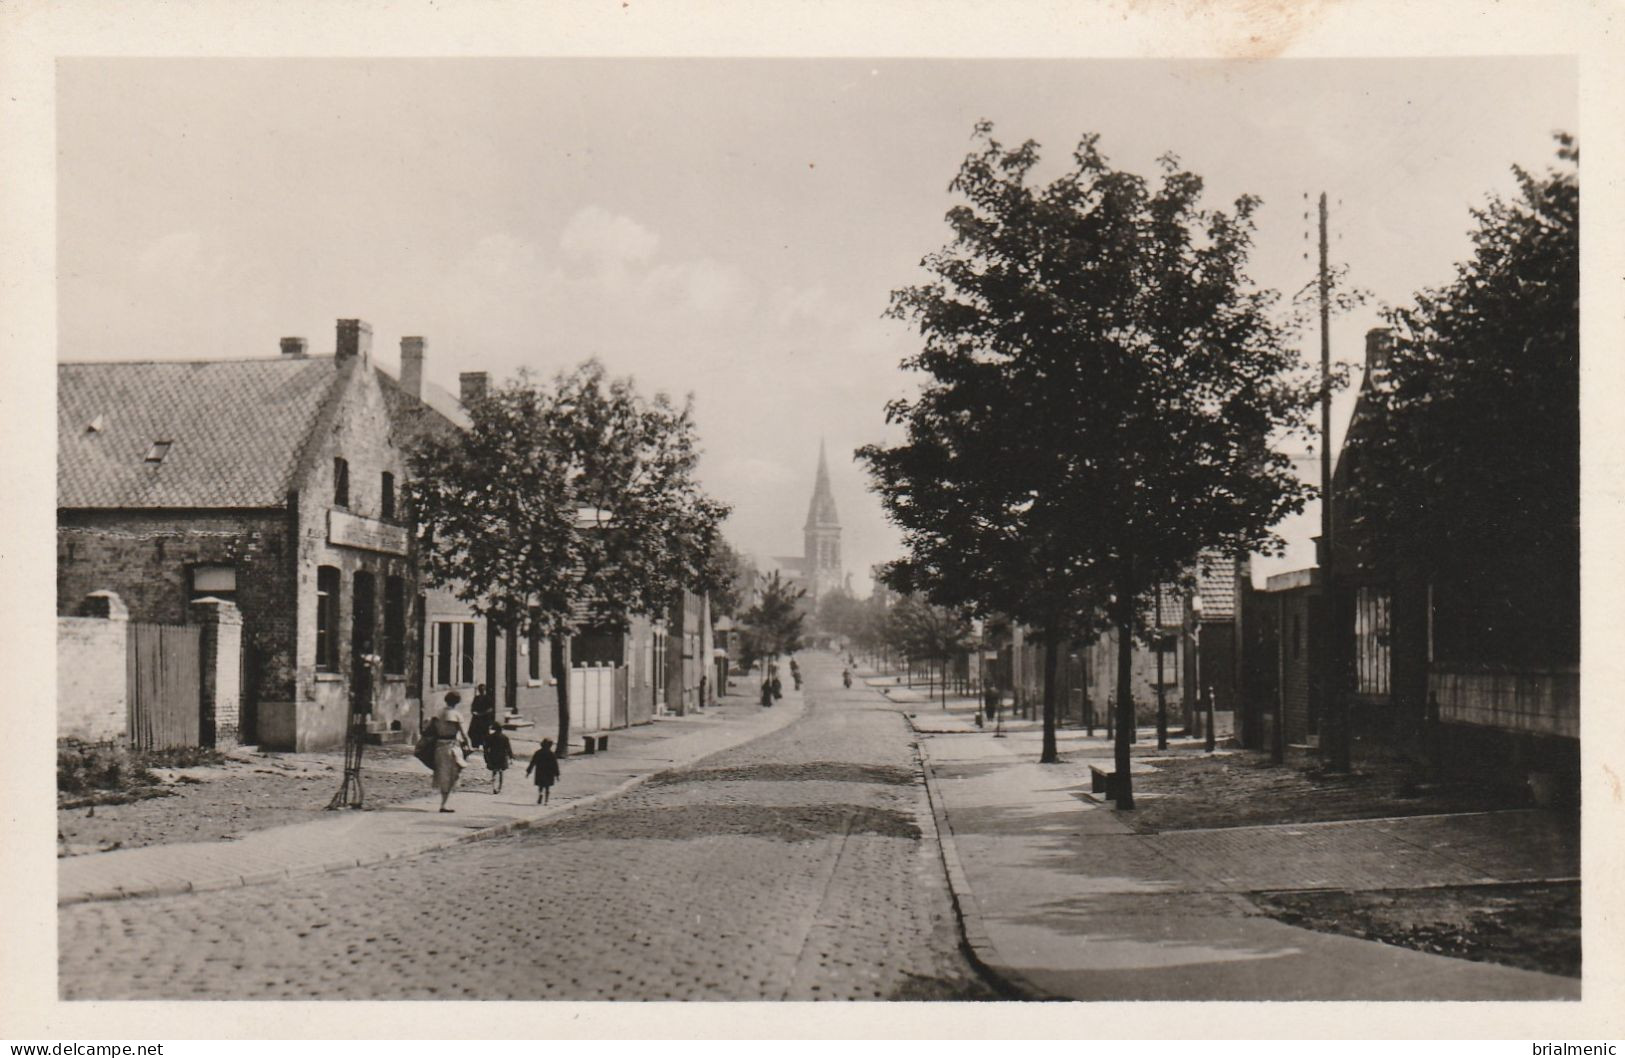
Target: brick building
x=1471 y=656
x=271 y=483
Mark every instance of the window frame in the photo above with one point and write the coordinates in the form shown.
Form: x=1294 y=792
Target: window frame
x=341 y=482
x=386 y=496
x=395 y=623
x=329 y=585
x=1373 y=641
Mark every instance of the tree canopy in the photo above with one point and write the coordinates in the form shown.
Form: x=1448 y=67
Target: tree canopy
x=564 y=498
x=1102 y=386
x=773 y=624
x=1467 y=441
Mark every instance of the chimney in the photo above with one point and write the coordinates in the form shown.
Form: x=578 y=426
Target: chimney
x=473 y=385
x=412 y=366
x=293 y=347
x=1379 y=342
x=355 y=340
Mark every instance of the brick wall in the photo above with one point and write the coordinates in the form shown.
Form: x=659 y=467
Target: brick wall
x=91 y=678
x=147 y=557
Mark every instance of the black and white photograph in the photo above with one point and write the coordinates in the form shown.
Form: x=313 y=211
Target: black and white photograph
x=985 y=531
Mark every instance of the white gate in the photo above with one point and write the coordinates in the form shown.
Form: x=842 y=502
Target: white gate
x=592 y=697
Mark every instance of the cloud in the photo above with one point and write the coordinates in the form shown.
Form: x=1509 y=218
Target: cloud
x=607 y=242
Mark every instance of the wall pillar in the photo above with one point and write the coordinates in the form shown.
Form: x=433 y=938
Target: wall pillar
x=220 y=647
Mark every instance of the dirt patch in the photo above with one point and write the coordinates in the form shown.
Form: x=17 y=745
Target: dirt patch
x=816 y=771
x=245 y=791
x=1243 y=788
x=1531 y=927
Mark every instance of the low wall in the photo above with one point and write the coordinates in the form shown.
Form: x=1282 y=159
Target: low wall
x=1529 y=701
x=91 y=678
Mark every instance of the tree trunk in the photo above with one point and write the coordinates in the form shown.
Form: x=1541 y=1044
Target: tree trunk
x=1125 y=693
x=561 y=672
x=1052 y=641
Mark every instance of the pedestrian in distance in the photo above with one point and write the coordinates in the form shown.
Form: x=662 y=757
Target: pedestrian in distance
x=447 y=727
x=795 y=673
x=482 y=712
x=846 y=678
x=498 y=755
x=778 y=688
x=767 y=692
x=545 y=765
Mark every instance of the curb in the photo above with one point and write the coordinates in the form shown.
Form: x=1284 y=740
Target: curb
x=976 y=943
x=305 y=870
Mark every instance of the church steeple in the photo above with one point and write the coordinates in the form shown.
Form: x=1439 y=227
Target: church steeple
x=821 y=511
x=822 y=533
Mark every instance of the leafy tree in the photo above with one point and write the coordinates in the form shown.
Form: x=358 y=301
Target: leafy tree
x=1468 y=440
x=773 y=625
x=726 y=577
x=563 y=498
x=919 y=630
x=839 y=614
x=1102 y=386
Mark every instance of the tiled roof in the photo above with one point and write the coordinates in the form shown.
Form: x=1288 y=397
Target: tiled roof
x=236 y=427
x=1216 y=580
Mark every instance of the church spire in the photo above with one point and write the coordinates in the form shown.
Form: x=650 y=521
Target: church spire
x=821 y=511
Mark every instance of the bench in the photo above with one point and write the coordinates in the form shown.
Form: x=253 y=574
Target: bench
x=1102 y=781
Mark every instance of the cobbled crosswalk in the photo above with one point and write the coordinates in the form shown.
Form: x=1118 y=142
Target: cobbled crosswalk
x=798 y=866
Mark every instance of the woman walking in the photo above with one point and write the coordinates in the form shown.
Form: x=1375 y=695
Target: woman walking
x=498 y=754
x=447 y=728
x=546 y=767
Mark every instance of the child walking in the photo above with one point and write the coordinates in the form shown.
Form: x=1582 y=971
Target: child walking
x=498 y=754
x=546 y=767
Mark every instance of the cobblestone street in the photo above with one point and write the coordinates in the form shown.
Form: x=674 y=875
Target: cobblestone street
x=798 y=866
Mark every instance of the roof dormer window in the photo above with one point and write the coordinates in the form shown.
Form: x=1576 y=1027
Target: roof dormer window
x=158 y=451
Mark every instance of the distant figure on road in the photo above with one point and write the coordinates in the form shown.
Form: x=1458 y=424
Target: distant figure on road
x=482 y=711
x=498 y=755
x=846 y=678
x=778 y=688
x=795 y=673
x=546 y=767
x=448 y=734
x=767 y=691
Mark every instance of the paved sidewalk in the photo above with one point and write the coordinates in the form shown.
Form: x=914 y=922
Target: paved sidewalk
x=349 y=838
x=1062 y=900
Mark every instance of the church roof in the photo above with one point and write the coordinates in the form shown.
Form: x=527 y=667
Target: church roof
x=821 y=511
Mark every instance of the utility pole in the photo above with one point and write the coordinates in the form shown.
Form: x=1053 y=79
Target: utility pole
x=1331 y=700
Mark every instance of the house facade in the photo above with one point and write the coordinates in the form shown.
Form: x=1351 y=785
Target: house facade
x=270 y=483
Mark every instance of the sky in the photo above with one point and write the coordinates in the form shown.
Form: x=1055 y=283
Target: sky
x=726 y=228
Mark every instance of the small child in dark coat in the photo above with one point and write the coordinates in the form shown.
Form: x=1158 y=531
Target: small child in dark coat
x=498 y=754
x=546 y=767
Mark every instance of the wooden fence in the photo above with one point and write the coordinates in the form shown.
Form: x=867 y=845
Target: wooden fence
x=165 y=706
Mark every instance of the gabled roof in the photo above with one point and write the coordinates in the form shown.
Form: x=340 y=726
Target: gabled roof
x=1216 y=582
x=236 y=429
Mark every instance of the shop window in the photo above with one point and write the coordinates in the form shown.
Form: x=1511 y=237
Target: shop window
x=327 y=619
x=536 y=645
x=341 y=482
x=387 y=492
x=1371 y=641
x=395 y=626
